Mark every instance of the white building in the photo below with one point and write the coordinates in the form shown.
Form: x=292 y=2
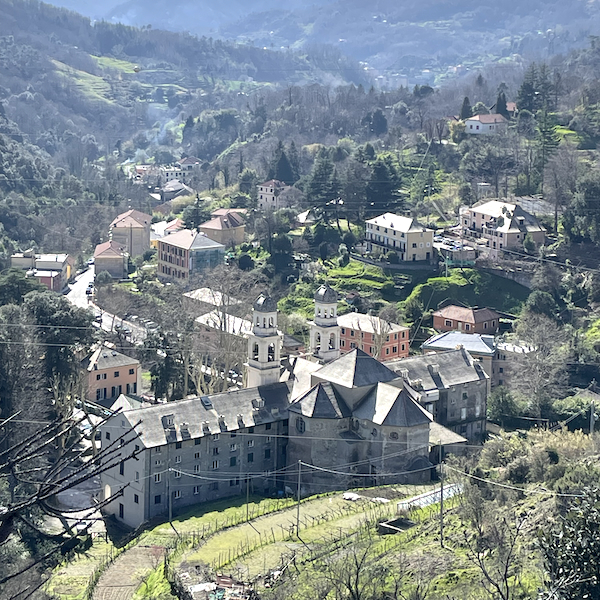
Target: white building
x=485 y=124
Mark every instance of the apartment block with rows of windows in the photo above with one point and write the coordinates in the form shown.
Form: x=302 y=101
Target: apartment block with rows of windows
x=185 y=462
x=373 y=336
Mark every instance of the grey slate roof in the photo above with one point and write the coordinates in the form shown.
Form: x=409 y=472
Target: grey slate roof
x=326 y=294
x=265 y=304
x=472 y=342
x=440 y=370
x=321 y=402
x=191 y=418
x=391 y=406
x=106 y=358
x=355 y=369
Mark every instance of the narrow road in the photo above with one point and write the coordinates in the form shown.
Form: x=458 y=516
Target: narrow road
x=77 y=296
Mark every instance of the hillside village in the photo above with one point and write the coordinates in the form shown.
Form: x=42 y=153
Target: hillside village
x=272 y=326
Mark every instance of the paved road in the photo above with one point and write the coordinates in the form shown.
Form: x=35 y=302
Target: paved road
x=110 y=322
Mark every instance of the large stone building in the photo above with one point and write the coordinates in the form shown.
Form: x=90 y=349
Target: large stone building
x=188 y=252
x=403 y=235
x=501 y=225
x=350 y=422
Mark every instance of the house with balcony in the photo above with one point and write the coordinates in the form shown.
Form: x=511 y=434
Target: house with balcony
x=501 y=225
x=404 y=235
x=185 y=253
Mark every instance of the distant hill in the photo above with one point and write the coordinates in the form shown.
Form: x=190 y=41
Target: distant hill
x=406 y=36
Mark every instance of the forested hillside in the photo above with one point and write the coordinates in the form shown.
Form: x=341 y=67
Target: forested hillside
x=404 y=36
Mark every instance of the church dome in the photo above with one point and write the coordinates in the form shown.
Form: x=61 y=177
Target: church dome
x=326 y=295
x=265 y=304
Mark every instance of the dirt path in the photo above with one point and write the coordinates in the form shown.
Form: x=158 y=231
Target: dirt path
x=126 y=574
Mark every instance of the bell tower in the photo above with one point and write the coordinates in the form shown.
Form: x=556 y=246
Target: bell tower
x=264 y=345
x=324 y=330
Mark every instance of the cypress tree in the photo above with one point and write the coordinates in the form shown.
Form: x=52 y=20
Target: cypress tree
x=501 y=105
x=466 y=112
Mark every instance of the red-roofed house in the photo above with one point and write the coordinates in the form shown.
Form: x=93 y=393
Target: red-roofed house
x=188 y=163
x=225 y=229
x=469 y=320
x=485 y=124
x=111 y=257
x=131 y=230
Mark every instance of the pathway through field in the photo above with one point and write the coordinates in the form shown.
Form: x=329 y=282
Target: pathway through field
x=126 y=574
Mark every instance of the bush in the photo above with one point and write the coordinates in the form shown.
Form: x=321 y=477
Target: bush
x=245 y=262
x=103 y=278
x=393 y=258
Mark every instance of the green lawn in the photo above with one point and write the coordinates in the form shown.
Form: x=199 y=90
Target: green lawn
x=92 y=86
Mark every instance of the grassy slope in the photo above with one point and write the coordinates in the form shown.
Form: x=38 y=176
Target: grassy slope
x=472 y=288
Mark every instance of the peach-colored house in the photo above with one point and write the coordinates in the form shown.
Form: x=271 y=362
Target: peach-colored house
x=110 y=374
x=468 y=320
x=225 y=229
x=365 y=332
x=131 y=230
x=111 y=257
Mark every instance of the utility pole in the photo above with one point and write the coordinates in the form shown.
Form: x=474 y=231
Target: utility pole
x=592 y=417
x=298 y=505
x=441 y=497
x=247 y=497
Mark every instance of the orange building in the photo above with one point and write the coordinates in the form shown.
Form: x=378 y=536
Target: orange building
x=110 y=374
x=468 y=320
x=368 y=333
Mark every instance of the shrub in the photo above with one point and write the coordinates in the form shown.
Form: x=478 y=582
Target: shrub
x=393 y=258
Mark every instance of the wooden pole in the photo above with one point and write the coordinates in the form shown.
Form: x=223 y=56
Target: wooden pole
x=441 y=498
x=298 y=505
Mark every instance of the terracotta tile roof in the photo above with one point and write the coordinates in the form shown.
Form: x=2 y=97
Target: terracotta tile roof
x=222 y=222
x=189 y=239
x=109 y=248
x=488 y=119
x=467 y=315
x=133 y=218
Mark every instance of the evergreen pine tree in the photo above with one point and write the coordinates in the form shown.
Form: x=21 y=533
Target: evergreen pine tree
x=466 y=112
x=294 y=159
x=526 y=96
x=319 y=184
x=382 y=188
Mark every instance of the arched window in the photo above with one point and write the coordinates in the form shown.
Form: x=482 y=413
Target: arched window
x=331 y=312
x=271 y=324
x=255 y=352
x=271 y=353
x=318 y=312
x=332 y=341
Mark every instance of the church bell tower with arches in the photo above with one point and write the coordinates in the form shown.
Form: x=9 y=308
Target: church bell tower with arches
x=264 y=345
x=324 y=330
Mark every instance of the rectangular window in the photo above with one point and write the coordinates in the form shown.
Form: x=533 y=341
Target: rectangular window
x=250 y=443
x=116 y=373
x=98 y=395
x=343 y=344
x=177 y=474
x=157 y=463
x=215 y=464
x=448 y=323
x=157 y=499
x=177 y=445
x=157 y=450
x=137 y=475
x=157 y=478
x=234 y=482
x=215 y=451
x=268 y=453
x=176 y=494
x=394 y=349
x=98 y=377
x=465 y=395
x=107 y=435
x=343 y=332
x=352 y=333
x=463 y=413
x=268 y=426
x=233 y=461
x=122 y=468
x=214 y=486
x=136 y=498
x=250 y=457
x=196 y=468
x=232 y=447
x=197 y=441
x=215 y=437
x=196 y=489
x=197 y=455
x=178 y=459
x=403 y=347
x=387 y=350
x=104 y=375
x=131 y=371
